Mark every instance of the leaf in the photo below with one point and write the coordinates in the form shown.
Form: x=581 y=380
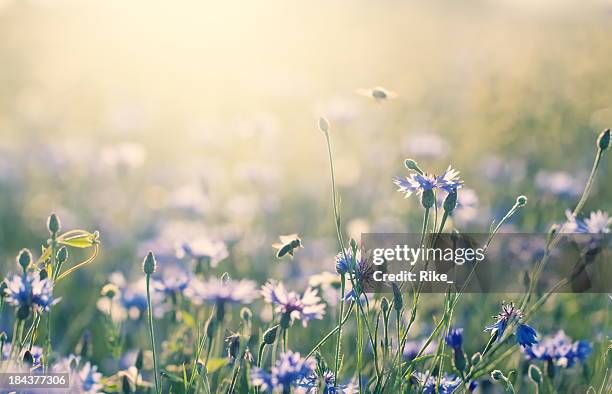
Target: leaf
x=216 y=363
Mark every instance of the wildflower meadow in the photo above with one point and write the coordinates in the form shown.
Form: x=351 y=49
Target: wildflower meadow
x=192 y=213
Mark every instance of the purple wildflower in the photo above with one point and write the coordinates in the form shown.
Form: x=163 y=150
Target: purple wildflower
x=525 y=334
x=286 y=373
x=448 y=383
x=416 y=183
x=293 y=306
x=559 y=349
x=28 y=290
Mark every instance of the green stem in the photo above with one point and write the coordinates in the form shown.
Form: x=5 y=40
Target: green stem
x=339 y=336
x=152 y=332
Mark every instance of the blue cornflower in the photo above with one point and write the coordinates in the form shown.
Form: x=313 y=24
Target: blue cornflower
x=35 y=351
x=293 y=306
x=448 y=383
x=130 y=299
x=472 y=386
x=559 y=349
x=171 y=280
x=417 y=183
x=454 y=339
x=598 y=222
x=203 y=249
x=28 y=290
x=324 y=384
x=223 y=291
x=288 y=371
x=525 y=334
x=84 y=378
x=345 y=261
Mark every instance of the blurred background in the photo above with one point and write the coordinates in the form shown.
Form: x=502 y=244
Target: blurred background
x=161 y=124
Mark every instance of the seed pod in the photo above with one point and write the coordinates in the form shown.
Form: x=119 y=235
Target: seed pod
x=603 y=141
x=269 y=335
x=53 y=224
x=149 y=265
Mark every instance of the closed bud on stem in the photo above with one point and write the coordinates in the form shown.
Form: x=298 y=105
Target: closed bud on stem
x=139 y=360
x=246 y=315
x=62 y=255
x=269 y=335
x=233 y=346
x=24 y=258
x=43 y=274
x=384 y=305
x=535 y=374
x=149 y=265
x=450 y=202
x=498 y=376
x=398 y=302
x=3 y=337
x=603 y=141
x=428 y=198
x=412 y=165
x=521 y=201
x=126 y=388
x=323 y=125
x=28 y=359
x=53 y=224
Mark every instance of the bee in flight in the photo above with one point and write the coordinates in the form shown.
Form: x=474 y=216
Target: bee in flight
x=288 y=244
x=378 y=93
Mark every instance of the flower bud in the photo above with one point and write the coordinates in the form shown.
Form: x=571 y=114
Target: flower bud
x=603 y=141
x=535 y=374
x=62 y=255
x=412 y=165
x=24 y=258
x=323 y=125
x=233 y=347
x=28 y=359
x=43 y=274
x=139 y=360
x=149 y=265
x=398 y=302
x=497 y=375
x=3 y=337
x=53 y=224
x=269 y=335
x=476 y=357
x=126 y=387
x=384 y=305
x=521 y=201
x=109 y=291
x=246 y=315
x=428 y=198
x=450 y=202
